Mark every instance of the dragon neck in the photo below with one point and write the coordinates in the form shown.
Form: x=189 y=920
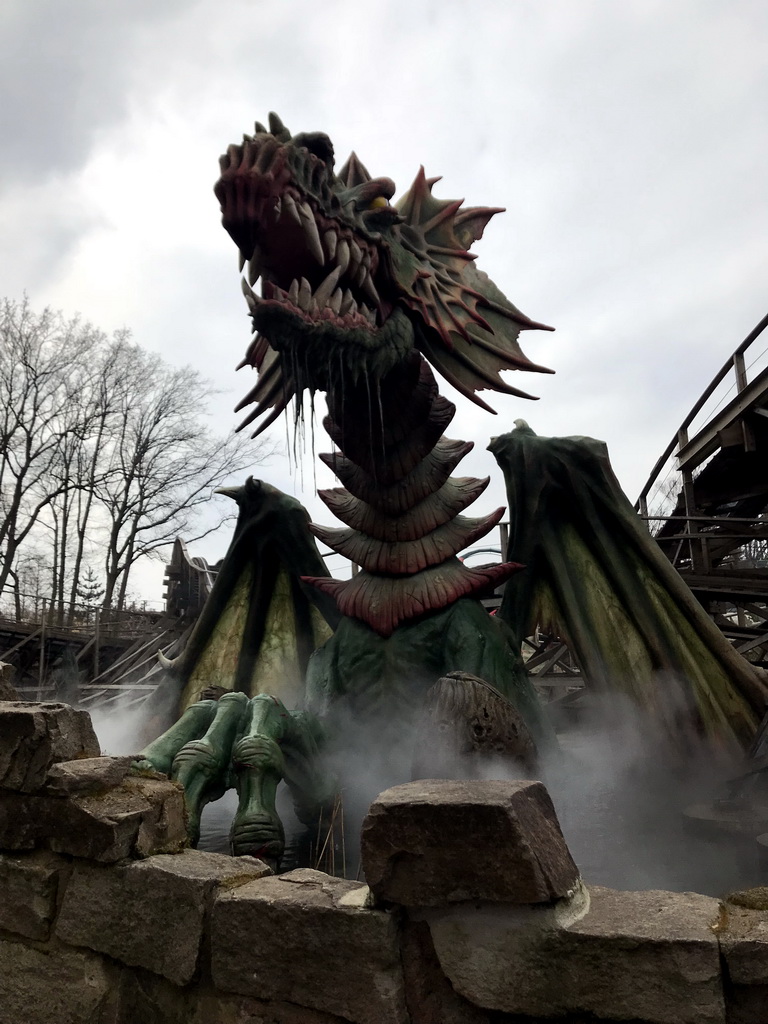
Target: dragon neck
x=400 y=505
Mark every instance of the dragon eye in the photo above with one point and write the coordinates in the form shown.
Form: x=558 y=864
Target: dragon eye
x=378 y=203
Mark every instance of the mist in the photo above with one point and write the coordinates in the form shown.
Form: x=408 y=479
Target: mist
x=619 y=789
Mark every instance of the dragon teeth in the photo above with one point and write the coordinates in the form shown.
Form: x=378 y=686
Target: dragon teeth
x=290 y=208
x=325 y=290
x=342 y=254
x=293 y=292
x=355 y=259
x=310 y=230
x=253 y=271
x=250 y=297
x=330 y=238
x=334 y=302
x=361 y=275
x=305 y=295
x=278 y=208
x=370 y=289
x=347 y=302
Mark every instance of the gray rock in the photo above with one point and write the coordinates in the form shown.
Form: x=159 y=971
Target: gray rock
x=7 y=689
x=434 y=842
x=21 y=824
x=314 y=942
x=743 y=938
x=430 y=997
x=29 y=884
x=646 y=956
x=139 y=818
x=150 y=913
x=87 y=775
x=55 y=986
x=35 y=736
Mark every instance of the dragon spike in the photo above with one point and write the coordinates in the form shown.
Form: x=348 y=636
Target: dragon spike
x=258 y=128
x=354 y=172
x=467 y=346
x=471 y=222
x=278 y=129
x=444 y=214
x=409 y=204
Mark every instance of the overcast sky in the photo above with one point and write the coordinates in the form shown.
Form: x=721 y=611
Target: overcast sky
x=627 y=139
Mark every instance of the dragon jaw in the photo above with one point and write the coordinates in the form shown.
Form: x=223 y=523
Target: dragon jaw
x=350 y=283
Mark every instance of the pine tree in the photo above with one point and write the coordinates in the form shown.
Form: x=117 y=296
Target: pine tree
x=90 y=590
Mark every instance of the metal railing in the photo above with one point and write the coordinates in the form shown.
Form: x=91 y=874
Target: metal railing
x=735 y=364
x=706 y=543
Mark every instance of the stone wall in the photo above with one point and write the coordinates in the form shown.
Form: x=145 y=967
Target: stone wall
x=473 y=912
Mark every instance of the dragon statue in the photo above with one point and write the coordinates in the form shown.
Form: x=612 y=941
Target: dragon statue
x=362 y=299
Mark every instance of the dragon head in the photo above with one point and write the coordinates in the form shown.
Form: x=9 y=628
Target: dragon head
x=352 y=283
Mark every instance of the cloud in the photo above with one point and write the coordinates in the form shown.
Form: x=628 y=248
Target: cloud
x=65 y=77
x=626 y=141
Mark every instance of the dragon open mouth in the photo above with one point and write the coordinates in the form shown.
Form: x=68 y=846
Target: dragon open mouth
x=312 y=264
x=279 y=207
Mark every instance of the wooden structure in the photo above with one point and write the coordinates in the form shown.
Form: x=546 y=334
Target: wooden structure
x=188 y=582
x=54 y=662
x=716 y=534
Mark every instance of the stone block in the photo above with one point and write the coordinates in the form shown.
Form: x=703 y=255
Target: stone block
x=743 y=935
x=87 y=775
x=150 y=913
x=34 y=736
x=146 y=998
x=435 y=842
x=29 y=884
x=314 y=942
x=21 y=820
x=139 y=818
x=638 y=956
x=55 y=986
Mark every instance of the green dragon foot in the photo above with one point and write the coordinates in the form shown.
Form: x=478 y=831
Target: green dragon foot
x=250 y=745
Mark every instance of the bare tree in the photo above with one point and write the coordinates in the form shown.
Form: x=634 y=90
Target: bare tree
x=92 y=459
x=105 y=452
x=41 y=356
x=164 y=464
